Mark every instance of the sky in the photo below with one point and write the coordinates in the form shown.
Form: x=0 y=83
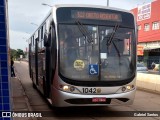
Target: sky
x=25 y=15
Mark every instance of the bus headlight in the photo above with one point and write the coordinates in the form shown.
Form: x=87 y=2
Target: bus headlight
x=67 y=88
x=126 y=88
x=129 y=88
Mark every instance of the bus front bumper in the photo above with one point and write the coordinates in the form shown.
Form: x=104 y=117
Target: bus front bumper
x=65 y=99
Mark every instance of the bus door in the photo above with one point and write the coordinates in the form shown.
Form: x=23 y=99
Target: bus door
x=50 y=59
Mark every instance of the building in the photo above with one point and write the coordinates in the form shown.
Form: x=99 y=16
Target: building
x=148 y=21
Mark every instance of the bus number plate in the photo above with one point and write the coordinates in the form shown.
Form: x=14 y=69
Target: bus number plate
x=89 y=90
x=98 y=99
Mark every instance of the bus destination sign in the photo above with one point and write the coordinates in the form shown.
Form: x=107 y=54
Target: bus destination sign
x=96 y=15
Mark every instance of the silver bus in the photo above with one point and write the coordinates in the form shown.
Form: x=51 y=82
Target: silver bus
x=85 y=55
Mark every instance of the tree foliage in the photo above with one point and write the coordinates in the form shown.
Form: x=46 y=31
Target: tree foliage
x=15 y=54
x=20 y=52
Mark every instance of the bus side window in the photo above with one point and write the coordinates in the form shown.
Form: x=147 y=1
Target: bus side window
x=32 y=43
x=39 y=43
x=33 y=40
x=42 y=35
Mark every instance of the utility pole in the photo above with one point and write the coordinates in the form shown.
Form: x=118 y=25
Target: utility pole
x=107 y=3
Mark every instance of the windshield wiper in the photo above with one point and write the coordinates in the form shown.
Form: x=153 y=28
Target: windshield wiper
x=116 y=49
x=110 y=40
x=112 y=34
x=84 y=31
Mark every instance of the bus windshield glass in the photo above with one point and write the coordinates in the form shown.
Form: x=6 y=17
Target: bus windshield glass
x=96 y=53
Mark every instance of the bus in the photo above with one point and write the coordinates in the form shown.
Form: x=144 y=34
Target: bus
x=84 y=55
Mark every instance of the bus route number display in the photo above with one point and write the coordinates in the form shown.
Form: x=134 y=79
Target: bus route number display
x=95 y=15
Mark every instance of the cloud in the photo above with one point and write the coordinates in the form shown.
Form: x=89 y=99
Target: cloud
x=21 y=14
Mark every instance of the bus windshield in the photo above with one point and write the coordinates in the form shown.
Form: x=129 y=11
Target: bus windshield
x=95 y=53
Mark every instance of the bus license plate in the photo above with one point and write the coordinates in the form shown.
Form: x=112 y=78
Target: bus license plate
x=98 y=99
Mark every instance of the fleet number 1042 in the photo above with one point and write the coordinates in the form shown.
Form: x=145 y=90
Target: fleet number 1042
x=89 y=90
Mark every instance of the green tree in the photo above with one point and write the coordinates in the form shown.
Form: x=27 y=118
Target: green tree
x=13 y=53
x=20 y=52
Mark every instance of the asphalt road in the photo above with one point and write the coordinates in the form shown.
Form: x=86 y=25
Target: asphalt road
x=146 y=102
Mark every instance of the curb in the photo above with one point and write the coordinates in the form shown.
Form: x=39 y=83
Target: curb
x=148 y=90
x=148 y=82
